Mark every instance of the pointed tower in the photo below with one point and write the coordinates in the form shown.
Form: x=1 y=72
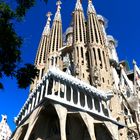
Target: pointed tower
x=79 y=43
x=99 y=60
x=103 y=24
x=5 y=131
x=112 y=48
x=41 y=56
x=53 y=56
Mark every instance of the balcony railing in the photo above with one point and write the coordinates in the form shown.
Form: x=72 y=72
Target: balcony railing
x=70 y=91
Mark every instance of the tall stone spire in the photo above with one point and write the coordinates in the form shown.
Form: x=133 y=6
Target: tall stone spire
x=56 y=39
x=95 y=31
x=98 y=54
x=112 y=48
x=44 y=42
x=80 y=50
x=103 y=24
x=41 y=56
x=5 y=131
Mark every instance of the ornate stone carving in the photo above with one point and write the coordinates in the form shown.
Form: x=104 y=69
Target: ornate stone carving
x=77 y=70
x=96 y=76
x=66 y=60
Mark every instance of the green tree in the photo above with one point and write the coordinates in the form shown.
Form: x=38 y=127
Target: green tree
x=11 y=43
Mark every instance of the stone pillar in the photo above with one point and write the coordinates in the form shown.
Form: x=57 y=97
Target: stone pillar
x=62 y=114
x=89 y=121
x=17 y=134
x=113 y=129
x=27 y=136
x=33 y=119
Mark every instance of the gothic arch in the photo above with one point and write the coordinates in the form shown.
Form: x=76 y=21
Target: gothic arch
x=24 y=129
x=47 y=126
x=102 y=132
x=76 y=128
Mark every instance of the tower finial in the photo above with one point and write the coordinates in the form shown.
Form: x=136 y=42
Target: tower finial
x=91 y=8
x=58 y=5
x=49 y=14
x=78 y=5
x=134 y=62
x=57 y=14
x=47 y=27
x=121 y=66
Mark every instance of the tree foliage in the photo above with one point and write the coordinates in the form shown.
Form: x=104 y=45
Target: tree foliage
x=11 y=43
x=27 y=72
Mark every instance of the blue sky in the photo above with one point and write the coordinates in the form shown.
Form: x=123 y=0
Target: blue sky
x=123 y=23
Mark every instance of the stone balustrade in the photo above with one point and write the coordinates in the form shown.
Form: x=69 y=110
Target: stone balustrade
x=65 y=89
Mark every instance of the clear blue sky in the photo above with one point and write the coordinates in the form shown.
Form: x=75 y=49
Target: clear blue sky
x=123 y=23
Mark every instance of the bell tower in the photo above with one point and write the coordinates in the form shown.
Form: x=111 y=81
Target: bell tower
x=80 y=43
x=53 y=53
x=41 y=56
x=99 y=60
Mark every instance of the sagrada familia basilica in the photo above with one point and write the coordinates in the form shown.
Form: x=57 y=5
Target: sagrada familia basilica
x=82 y=90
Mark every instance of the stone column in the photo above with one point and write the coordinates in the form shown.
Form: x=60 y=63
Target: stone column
x=89 y=121
x=62 y=114
x=17 y=134
x=33 y=119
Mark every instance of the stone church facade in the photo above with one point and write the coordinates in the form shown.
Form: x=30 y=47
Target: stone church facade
x=82 y=91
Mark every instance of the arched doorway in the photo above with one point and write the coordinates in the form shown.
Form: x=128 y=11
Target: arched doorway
x=23 y=132
x=76 y=128
x=47 y=125
x=101 y=132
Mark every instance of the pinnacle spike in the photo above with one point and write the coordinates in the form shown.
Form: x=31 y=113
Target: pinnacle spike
x=58 y=3
x=134 y=62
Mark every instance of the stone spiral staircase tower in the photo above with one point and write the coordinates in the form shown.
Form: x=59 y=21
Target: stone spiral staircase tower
x=81 y=91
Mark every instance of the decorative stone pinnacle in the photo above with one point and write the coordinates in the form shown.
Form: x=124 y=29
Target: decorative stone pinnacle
x=134 y=62
x=89 y=1
x=47 y=27
x=78 y=5
x=91 y=8
x=49 y=14
x=57 y=14
x=121 y=66
x=4 y=118
x=58 y=5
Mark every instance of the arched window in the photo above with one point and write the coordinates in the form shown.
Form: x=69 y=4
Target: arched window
x=95 y=29
x=104 y=60
x=95 y=56
x=99 y=55
x=82 y=55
